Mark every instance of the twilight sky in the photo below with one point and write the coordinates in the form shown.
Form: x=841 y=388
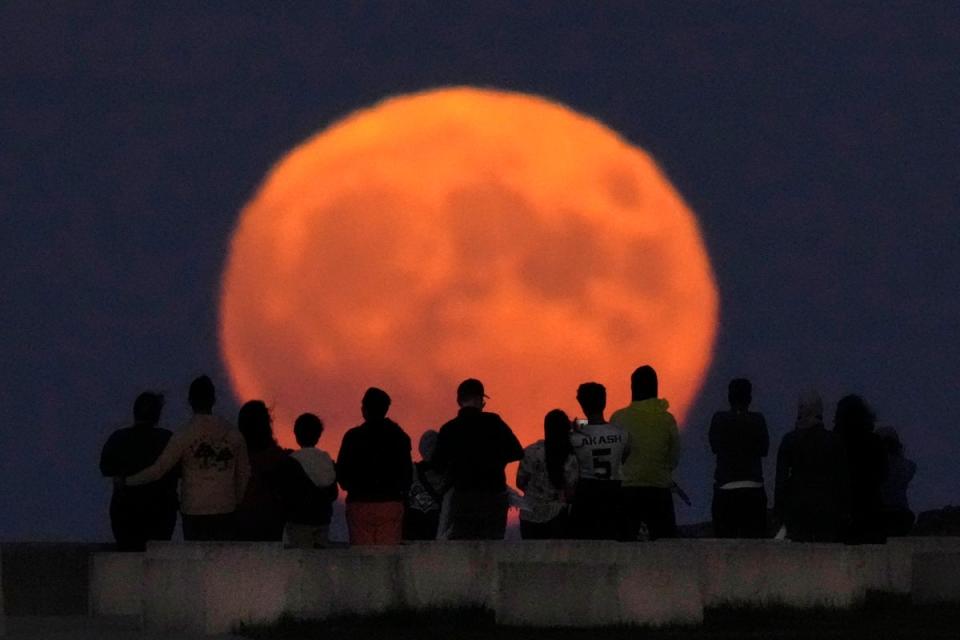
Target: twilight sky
x=818 y=146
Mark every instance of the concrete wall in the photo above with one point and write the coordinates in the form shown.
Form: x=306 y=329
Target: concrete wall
x=3 y=614
x=936 y=577
x=210 y=587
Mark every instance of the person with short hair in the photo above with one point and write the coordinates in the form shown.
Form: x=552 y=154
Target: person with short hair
x=648 y=473
x=548 y=477
x=854 y=423
x=310 y=487
x=147 y=512
x=473 y=450
x=374 y=467
x=421 y=518
x=740 y=440
x=600 y=447
x=897 y=517
x=214 y=468
x=260 y=514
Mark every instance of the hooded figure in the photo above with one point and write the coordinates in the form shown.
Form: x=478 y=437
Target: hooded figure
x=811 y=494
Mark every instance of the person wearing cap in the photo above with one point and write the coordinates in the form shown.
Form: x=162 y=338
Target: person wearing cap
x=473 y=450
x=149 y=512
x=375 y=469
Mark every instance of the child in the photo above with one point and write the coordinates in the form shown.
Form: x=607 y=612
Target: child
x=311 y=487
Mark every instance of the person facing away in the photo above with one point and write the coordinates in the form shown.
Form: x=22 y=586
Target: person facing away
x=374 y=468
x=260 y=514
x=854 y=423
x=309 y=486
x=600 y=448
x=421 y=518
x=897 y=516
x=214 y=468
x=548 y=477
x=810 y=495
x=147 y=512
x=648 y=472
x=740 y=441
x=473 y=450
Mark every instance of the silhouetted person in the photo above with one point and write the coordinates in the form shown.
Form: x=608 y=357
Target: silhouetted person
x=422 y=516
x=648 y=472
x=897 y=516
x=472 y=450
x=867 y=464
x=374 y=468
x=260 y=514
x=740 y=441
x=548 y=477
x=600 y=448
x=309 y=481
x=811 y=494
x=214 y=468
x=147 y=512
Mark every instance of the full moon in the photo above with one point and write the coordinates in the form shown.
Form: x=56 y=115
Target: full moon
x=458 y=233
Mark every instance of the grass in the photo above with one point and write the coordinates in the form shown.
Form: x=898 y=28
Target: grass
x=879 y=617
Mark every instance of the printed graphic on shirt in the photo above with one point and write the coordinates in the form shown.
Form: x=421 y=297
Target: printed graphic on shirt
x=213 y=456
x=599 y=450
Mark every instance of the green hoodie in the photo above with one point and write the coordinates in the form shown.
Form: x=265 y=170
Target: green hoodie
x=654 y=443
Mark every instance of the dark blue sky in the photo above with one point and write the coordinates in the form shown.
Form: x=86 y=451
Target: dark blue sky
x=818 y=145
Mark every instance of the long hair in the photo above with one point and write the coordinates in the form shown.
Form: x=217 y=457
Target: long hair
x=556 y=438
x=256 y=425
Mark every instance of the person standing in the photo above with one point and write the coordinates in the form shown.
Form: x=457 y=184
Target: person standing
x=374 y=468
x=600 y=448
x=811 y=491
x=648 y=472
x=260 y=515
x=854 y=423
x=421 y=519
x=897 y=516
x=548 y=477
x=147 y=512
x=740 y=441
x=214 y=468
x=309 y=486
x=473 y=450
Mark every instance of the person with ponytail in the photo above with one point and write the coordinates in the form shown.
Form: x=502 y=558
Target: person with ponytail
x=548 y=476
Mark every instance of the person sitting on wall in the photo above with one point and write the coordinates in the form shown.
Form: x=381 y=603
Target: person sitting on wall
x=214 y=468
x=147 y=512
x=740 y=441
x=473 y=450
x=548 y=477
x=374 y=468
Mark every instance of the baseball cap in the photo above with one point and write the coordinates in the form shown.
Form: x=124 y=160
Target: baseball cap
x=471 y=388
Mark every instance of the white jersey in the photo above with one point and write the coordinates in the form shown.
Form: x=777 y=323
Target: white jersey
x=600 y=450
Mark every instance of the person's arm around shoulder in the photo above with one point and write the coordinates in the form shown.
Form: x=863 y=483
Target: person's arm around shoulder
x=167 y=461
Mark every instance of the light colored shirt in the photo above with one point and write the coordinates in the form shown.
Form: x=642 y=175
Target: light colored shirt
x=214 y=467
x=600 y=450
x=317 y=465
x=542 y=500
x=654 y=441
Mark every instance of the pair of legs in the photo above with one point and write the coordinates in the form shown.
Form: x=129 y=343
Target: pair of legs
x=306 y=536
x=478 y=515
x=220 y=526
x=133 y=523
x=371 y=523
x=647 y=506
x=740 y=513
x=594 y=512
x=556 y=529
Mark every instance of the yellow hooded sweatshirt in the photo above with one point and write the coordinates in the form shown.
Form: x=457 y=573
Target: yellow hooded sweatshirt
x=654 y=443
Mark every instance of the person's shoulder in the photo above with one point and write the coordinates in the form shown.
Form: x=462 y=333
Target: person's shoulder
x=535 y=448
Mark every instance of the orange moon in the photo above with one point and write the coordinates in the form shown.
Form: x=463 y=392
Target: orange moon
x=458 y=233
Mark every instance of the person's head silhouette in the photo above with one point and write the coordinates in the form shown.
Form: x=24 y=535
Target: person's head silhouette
x=202 y=395
x=428 y=442
x=147 y=408
x=470 y=393
x=853 y=417
x=592 y=397
x=375 y=405
x=256 y=425
x=740 y=394
x=643 y=383
x=307 y=429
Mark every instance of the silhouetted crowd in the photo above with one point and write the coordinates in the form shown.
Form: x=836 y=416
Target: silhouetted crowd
x=588 y=478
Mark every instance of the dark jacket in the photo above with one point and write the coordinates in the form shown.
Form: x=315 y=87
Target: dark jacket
x=133 y=449
x=305 y=502
x=260 y=515
x=374 y=463
x=812 y=488
x=740 y=441
x=473 y=449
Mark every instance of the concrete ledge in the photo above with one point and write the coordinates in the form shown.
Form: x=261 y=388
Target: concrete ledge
x=3 y=614
x=935 y=578
x=116 y=584
x=900 y=554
